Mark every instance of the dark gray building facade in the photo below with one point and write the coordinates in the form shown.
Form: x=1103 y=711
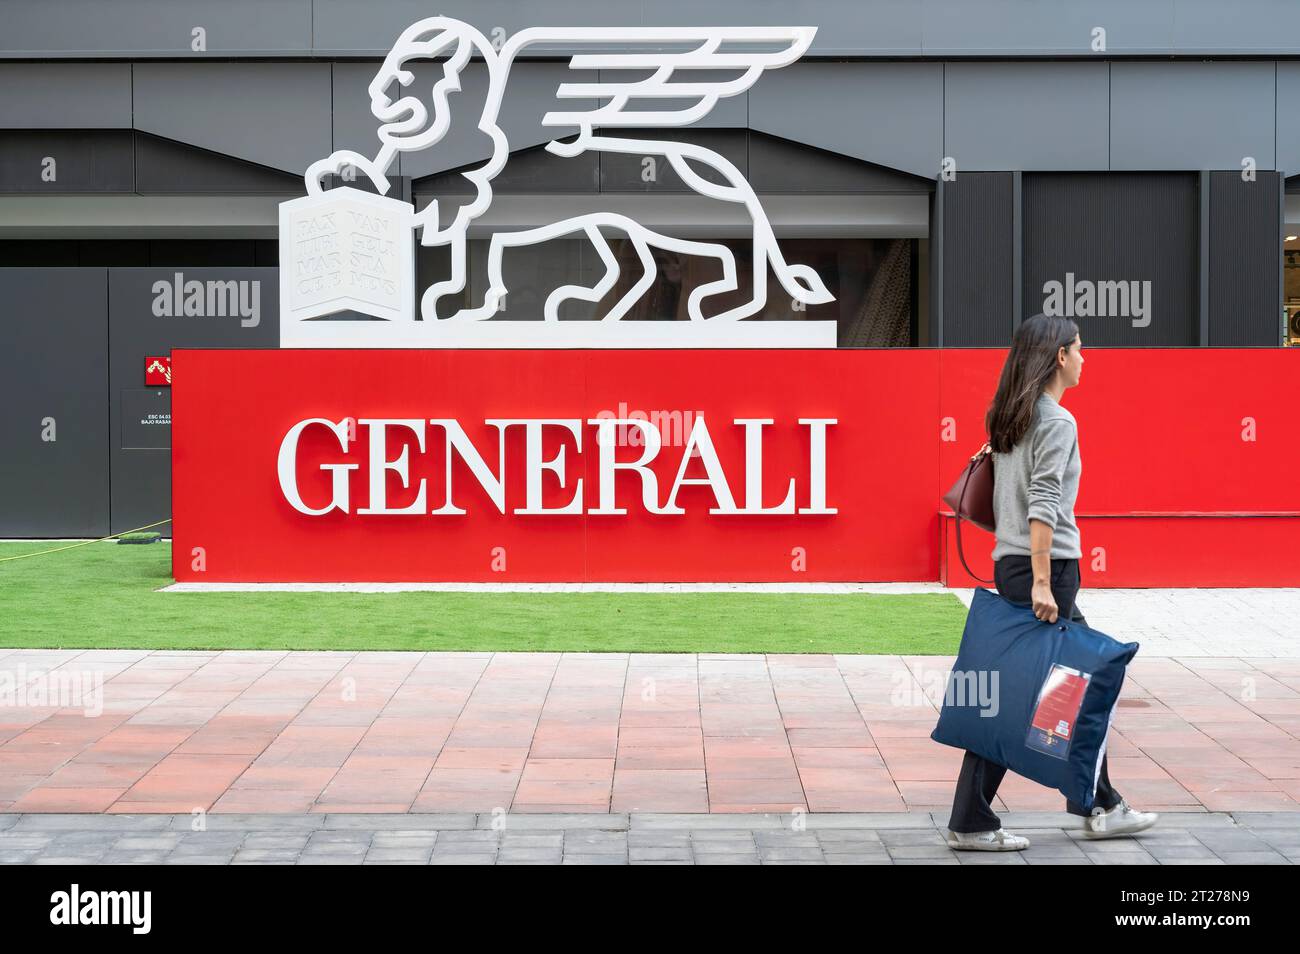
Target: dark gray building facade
x=948 y=166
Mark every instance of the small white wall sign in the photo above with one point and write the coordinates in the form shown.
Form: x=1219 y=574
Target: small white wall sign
x=345 y=249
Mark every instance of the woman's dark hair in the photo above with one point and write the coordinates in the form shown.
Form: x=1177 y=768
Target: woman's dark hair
x=1027 y=372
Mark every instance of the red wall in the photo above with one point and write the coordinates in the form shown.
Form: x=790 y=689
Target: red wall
x=1170 y=494
x=1160 y=433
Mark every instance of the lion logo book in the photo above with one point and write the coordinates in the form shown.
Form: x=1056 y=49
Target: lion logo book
x=345 y=249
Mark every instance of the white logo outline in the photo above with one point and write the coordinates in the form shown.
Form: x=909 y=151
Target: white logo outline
x=406 y=126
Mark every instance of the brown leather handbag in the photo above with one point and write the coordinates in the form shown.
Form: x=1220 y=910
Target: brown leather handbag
x=971 y=498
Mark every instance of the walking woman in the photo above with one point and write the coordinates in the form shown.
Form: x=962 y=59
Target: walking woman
x=1036 y=471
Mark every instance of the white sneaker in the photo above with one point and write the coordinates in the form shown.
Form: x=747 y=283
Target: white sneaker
x=1120 y=820
x=1000 y=840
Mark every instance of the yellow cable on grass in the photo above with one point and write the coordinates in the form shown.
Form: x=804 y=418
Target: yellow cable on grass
x=84 y=543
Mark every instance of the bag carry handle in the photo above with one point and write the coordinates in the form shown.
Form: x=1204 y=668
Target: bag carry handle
x=961 y=505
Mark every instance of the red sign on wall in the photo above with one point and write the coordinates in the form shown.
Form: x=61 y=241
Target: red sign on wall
x=513 y=466
x=158 y=371
x=550 y=466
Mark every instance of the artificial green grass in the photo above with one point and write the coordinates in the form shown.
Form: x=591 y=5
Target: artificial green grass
x=102 y=596
x=151 y=536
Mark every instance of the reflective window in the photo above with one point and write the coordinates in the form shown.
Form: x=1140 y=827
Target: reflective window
x=874 y=281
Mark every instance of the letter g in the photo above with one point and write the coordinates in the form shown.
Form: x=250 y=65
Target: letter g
x=288 y=468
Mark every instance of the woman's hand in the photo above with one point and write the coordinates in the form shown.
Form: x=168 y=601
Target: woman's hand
x=1040 y=561
x=1044 y=601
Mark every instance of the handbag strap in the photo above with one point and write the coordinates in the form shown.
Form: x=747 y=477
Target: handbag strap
x=961 y=504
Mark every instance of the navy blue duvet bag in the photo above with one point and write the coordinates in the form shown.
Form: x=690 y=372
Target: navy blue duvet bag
x=1036 y=697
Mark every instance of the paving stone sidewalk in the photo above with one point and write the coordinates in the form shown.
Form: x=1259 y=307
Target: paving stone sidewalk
x=1195 y=838
x=1214 y=730
x=1239 y=622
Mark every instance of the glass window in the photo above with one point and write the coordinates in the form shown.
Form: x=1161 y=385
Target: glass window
x=874 y=281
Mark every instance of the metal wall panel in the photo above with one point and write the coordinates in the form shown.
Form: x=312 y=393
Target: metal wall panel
x=1287 y=119
x=1060 y=118
x=729 y=112
x=627 y=172
x=844 y=26
x=1192 y=115
x=1069 y=116
x=141 y=488
x=122 y=161
x=532 y=171
x=163 y=167
x=1115 y=227
x=65 y=95
x=780 y=166
x=372 y=27
x=1245 y=253
x=887 y=113
x=54 y=366
x=962 y=27
x=90 y=161
x=354 y=126
x=1006 y=28
x=977 y=260
x=155 y=27
x=273 y=114
x=772 y=166
x=1261 y=26
x=893 y=26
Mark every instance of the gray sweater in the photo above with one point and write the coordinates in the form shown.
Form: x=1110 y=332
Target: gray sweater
x=1039 y=479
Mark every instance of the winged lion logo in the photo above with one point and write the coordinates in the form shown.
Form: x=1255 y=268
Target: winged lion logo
x=732 y=59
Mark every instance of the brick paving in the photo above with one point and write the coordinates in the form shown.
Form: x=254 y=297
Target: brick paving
x=1196 y=838
x=291 y=733
x=389 y=757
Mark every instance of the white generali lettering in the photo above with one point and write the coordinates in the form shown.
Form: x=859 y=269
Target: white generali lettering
x=457 y=444
x=288 y=461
